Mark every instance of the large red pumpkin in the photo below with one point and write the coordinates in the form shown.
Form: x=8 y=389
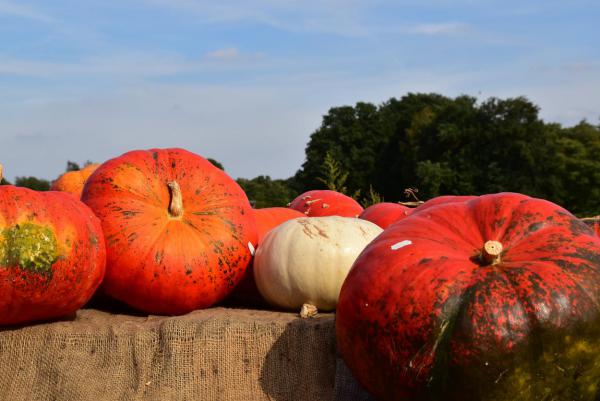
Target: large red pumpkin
x=385 y=213
x=491 y=299
x=325 y=202
x=266 y=220
x=52 y=254
x=179 y=231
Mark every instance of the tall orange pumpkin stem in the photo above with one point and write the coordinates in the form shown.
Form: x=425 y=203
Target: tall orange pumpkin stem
x=176 y=205
x=490 y=254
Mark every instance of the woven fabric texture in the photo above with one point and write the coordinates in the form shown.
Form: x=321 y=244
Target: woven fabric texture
x=212 y=354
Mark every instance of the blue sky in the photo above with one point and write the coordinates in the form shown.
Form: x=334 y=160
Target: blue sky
x=247 y=82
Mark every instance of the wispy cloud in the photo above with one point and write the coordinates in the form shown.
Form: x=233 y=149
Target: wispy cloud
x=442 y=29
x=135 y=65
x=22 y=11
x=343 y=18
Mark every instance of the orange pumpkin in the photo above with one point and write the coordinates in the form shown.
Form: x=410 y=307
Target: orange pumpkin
x=179 y=231
x=266 y=220
x=52 y=254
x=73 y=181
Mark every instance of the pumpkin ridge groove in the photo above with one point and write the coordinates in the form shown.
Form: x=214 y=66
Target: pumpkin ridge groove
x=439 y=376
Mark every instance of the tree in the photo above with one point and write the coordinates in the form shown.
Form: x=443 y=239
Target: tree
x=216 y=163
x=72 y=166
x=266 y=192
x=34 y=183
x=443 y=145
x=351 y=135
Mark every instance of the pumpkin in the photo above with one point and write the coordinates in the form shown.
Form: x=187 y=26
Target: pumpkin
x=266 y=219
x=270 y=217
x=593 y=222
x=305 y=260
x=179 y=231
x=73 y=181
x=491 y=299
x=326 y=203
x=438 y=200
x=385 y=213
x=52 y=254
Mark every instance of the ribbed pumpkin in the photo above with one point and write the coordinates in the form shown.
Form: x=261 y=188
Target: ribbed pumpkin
x=73 y=181
x=495 y=298
x=305 y=261
x=52 y=254
x=266 y=219
x=438 y=200
x=270 y=217
x=385 y=213
x=318 y=203
x=179 y=231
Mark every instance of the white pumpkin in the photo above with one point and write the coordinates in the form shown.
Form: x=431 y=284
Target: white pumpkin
x=305 y=260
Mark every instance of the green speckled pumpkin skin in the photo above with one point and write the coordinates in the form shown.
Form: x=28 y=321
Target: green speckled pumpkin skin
x=52 y=255
x=422 y=318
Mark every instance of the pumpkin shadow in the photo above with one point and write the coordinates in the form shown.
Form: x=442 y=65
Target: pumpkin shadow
x=302 y=364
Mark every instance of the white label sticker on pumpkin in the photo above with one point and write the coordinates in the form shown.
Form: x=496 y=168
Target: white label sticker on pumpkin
x=401 y=244
x=251 y=247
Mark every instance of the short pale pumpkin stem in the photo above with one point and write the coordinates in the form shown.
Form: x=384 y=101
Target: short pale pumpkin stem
x=308 y=311
x=1 y=171
x=490 y=253
x=176 y=205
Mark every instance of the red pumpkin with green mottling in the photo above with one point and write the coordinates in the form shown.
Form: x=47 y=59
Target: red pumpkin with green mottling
x=385 y=214
x=52 y=255
x=491 y=299
x=178 y=230
x=319 y=203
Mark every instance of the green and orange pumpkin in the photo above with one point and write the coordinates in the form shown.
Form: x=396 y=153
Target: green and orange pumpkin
x=490 y=299
x=52 y=254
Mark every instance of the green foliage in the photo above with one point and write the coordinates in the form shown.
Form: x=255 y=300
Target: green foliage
x=3 y=181
x=354 y=137
x=455 y=146
x=372 y=198
x=266 y=192
x=72 y=166
x=216 y=163
x=334 y=176
x=34 y=183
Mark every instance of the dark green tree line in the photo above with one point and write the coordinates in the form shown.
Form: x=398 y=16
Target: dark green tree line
x=456 y=145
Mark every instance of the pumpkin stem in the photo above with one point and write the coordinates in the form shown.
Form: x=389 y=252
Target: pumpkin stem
x=490 y=254
x=308 y=311
x=176 y=205
x=1 y=170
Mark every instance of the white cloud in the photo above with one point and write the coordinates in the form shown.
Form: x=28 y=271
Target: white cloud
x=223 y=54
x=445 y=28
x=22 y=11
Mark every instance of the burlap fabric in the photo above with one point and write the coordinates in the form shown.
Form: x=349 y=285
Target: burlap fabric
x=214 y=354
